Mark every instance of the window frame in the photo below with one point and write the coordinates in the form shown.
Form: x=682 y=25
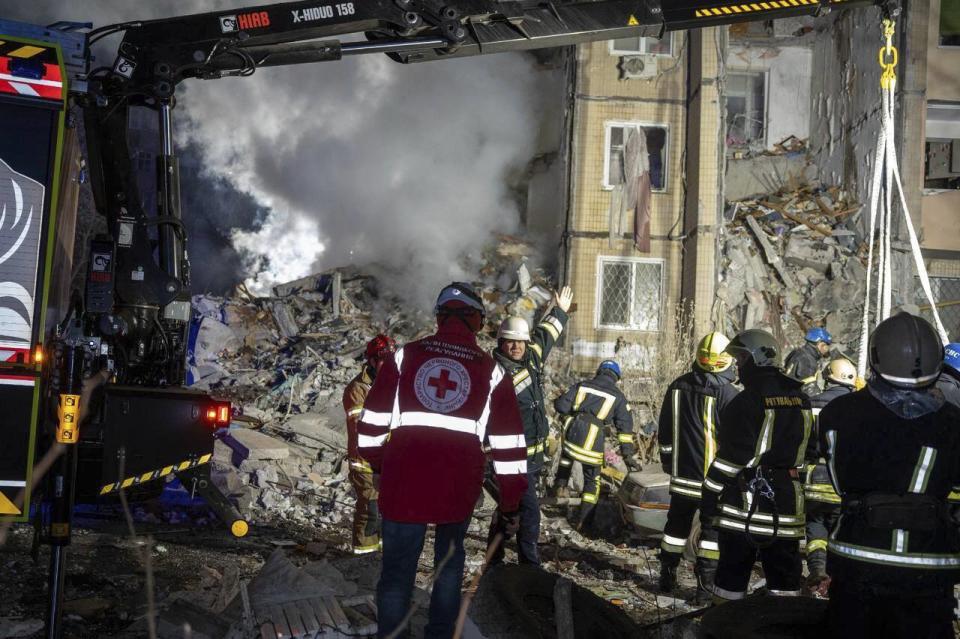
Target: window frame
x=940 y=44
x=610 y=124
x=633 y=261
x=621 y=52
x=762 y=141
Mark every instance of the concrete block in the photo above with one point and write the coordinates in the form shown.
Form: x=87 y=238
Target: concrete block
x=254 y=445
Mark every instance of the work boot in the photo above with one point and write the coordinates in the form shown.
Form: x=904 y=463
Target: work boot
x=818 y=582
x=706 y=572
x=668 y=578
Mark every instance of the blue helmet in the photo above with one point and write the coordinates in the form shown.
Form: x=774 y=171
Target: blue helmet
x=610 y=365
x=818 y=334
x=951 y=356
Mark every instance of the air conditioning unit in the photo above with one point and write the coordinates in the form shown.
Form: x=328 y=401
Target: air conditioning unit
x=634 y=67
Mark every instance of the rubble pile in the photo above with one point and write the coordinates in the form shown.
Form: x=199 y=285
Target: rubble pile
x=793 y=259
x=284 y=361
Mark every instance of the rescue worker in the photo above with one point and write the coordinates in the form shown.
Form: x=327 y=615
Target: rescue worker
x=689 y=418
x=522 y=355
x=366 y=516
x=804 y=363
x=432 y=408
x=949 y=380
x=893 y=452
x=589 y=407
x=822 y=503
x=752 y=491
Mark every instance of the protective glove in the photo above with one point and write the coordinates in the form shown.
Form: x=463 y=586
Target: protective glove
x=564 y=298
x=509 y=522
x=633 y=463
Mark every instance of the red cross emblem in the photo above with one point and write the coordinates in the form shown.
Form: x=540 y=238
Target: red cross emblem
x=442 y=384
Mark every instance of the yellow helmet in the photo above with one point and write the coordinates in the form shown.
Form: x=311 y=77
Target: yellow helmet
x=842 y=371
x=710 y=353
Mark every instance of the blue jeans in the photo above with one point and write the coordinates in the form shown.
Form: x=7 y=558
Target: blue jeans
x=402 y=545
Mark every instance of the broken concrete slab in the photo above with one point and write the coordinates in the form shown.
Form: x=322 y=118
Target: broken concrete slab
x=315 y=429
x=749 y=177
x=254 y=445
x=284 y=318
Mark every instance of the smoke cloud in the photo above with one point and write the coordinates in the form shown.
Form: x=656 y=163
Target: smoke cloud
x=360 y=161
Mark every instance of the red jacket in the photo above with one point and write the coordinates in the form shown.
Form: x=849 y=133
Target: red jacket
x=431 y=409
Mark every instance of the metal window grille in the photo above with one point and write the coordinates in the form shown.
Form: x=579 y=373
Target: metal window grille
x=630 y=294
x=946 y=291
x=746 y=108
x=656 y=149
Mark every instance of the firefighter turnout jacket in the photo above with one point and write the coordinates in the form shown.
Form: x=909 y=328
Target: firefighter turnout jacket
x=688 y=427
x=804 y=364
x=949 y=385
x=895 y=476
x=761 y=444
x=527 y=377
x=589 y=407
x=432 y=408
x=353 y=398
x=817 y=485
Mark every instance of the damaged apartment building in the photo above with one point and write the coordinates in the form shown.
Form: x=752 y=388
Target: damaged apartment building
x=760 y=129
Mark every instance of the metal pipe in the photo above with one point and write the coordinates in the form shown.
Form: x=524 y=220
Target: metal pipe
x=58 y=557
x=393 y=46
x=166 y=128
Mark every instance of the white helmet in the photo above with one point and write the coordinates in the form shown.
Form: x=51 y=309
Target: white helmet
x=842 y=371
x=514 y=328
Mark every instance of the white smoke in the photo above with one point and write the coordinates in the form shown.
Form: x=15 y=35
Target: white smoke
x=360 y=161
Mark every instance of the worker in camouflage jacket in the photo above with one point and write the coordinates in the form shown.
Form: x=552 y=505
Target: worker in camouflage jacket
x=522 y=353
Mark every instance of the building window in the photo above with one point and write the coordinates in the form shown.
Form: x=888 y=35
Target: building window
x=629 y=292
x=615 y=139
x=746 y=108
x=946 y=290
x=950 y=23
x=640 y=45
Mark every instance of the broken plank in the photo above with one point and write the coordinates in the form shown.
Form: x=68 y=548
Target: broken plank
x=563 y=608
x=773 y=258
x=801 y=219
x=275 y=614
x=296 y=625
x=267 y=631
x=327 y=625
x=336 y=613
x=309 y=617
x=360 y=624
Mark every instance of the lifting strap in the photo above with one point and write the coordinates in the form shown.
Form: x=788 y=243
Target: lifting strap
x=886 y=176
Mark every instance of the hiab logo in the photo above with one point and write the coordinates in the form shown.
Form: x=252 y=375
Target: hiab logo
x=244 y=21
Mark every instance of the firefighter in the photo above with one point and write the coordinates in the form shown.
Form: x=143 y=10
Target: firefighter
x=949 y=380
x=822 y=503
x=804 y=363
x=752 y=493
x=689 y=417
x=588 y=408
x=366 y=516
x=893 y=452
x=432 y=408
x=522 y=355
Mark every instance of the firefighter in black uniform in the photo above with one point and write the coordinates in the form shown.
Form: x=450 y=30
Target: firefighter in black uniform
x=752 y=493
x=522 y=355
x=804 y=363
x=822 y=503
x=589 y=407
x=949 y=381
x=893 y=452
x=689 y=417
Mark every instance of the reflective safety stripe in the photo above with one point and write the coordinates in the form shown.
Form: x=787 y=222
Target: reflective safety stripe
x=625 y=438
x=591 y=439
x=398 y=360
x=831 y=437
x=361 y=466
x=736 y=512
x=729 y=595
x=500 y=442
x=666 y=449
x=608 y=400
x=688 y=492
x=536 y=448
x=807 y=429
x=709 y=484
x=437 y=420
x=954 y=494
x=918 y=483
x=363 y=550
x=575 y=450
x=553 y=326
x=816 y=544
x=668 y=547
x=765 y=439
x=726 y=467
x=783 y=593
x=782 y=531
x=874 y=555
x=366 y=441
x=674 y=541
x=355 y=411
x=676 y=427
x=537 y=349
x=900 y=540
x=496 y=376
x=522 y=380
x=588 y=498
x=375 y=419
x=510 y=467
x=709 y=545
x=709 y=434
x=686 y=482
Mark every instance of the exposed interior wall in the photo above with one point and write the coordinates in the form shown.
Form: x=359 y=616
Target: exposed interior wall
x=787 y=69
x=943 y=63
x=941 y=221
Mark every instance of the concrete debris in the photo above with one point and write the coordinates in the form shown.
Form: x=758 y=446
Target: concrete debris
x=793 y=258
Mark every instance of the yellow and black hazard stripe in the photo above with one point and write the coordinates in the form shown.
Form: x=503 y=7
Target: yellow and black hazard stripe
x=155 y=474
x=752 y=7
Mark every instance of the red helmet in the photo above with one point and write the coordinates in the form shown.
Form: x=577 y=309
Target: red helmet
x=380 y=346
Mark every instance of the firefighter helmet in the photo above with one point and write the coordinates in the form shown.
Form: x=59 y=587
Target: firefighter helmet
x=906 y=351
x=842 y=372
x=951 y=356
x=818 y=334
x=710 y=353
x=758 y=345
x=514 y=328
x=380 y=346
x=609 y=365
